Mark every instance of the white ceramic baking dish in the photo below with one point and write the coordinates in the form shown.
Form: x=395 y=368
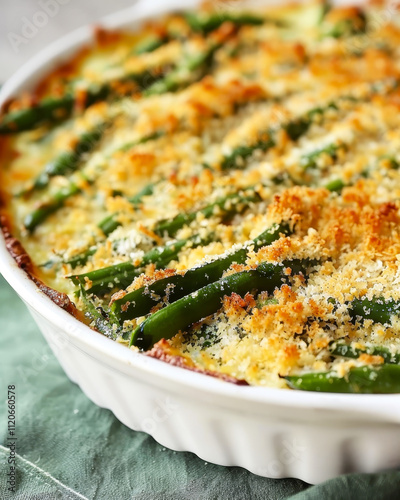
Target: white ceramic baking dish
x=271 y=432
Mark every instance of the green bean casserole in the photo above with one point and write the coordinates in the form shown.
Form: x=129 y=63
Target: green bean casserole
x=221 y=190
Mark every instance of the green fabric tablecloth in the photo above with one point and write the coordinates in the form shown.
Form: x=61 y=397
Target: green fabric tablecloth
x=68 y=448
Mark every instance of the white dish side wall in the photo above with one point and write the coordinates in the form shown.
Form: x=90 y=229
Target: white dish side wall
x=273 y=445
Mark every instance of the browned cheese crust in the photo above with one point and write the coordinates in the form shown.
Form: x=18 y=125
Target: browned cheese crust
x=24 y=262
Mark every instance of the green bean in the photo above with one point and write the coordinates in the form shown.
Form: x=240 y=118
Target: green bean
x=266 y=302
x=310 y=160
x=51 y=108
x=205 y=23
x=347 y=351
x=224 y=208
x=150 y=44
x=54 y=109
x=326 y=7
x=294 y=128
x=148 y=190
x=297 y=127
x=391 y=161
x=178 y=316
x=378 y=310
x=103 y=281
x=335 y=186
x=98 y=316
x=58 y=199
x=45 y=209
x=141 y=301
x=142 y=80
x=143 y=140
x=186 y=73
x=348 y=27
x=110 y=223
x=384 y=379
x=241 y=153
x=81 y=258
x=68 y=161
x=161 y=256
x=121 y=275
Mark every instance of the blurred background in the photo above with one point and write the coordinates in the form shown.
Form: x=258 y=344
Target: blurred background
x=26 y=26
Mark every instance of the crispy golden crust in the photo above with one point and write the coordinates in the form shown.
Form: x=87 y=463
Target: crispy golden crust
x=162 y=351
x=15 y=247
x=24 y=262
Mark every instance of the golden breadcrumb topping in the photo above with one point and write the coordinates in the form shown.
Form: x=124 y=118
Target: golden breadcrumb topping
x=296 y=114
